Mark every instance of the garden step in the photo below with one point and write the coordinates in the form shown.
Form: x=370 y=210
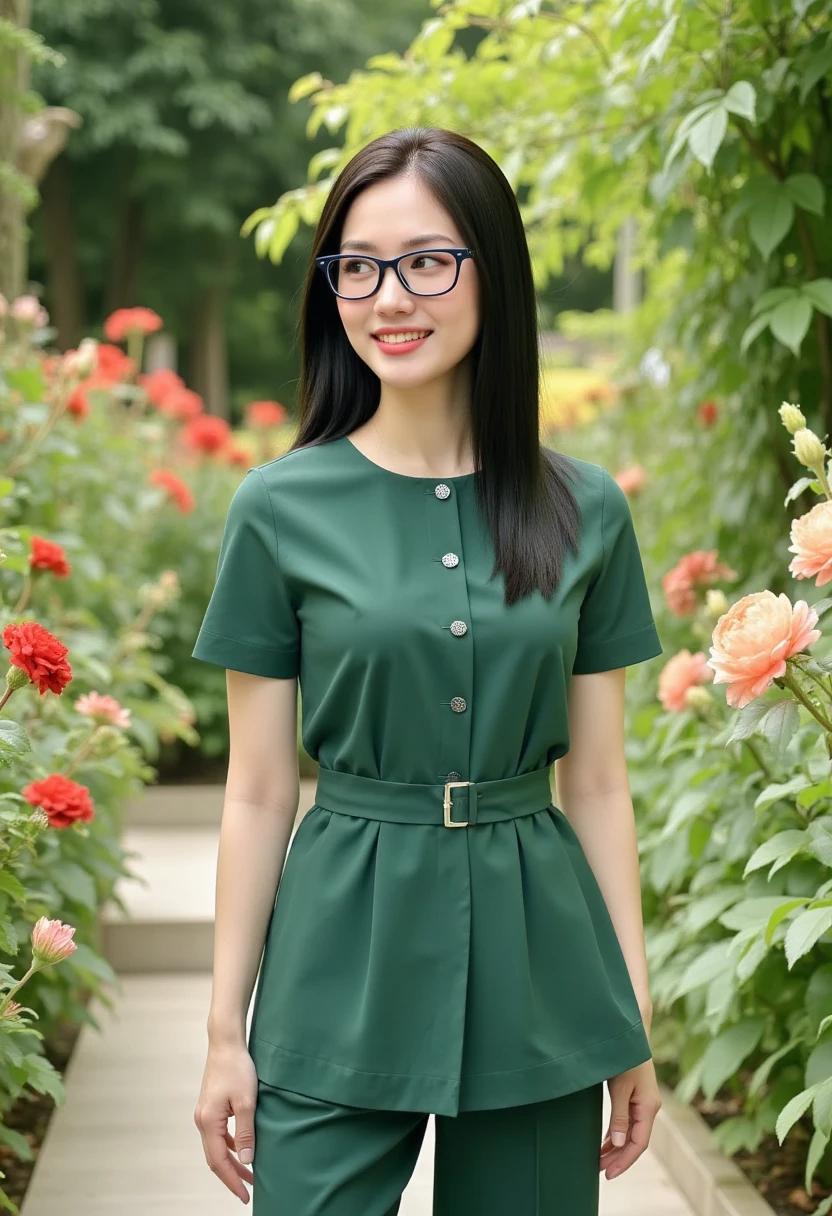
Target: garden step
x=169 y=926
x=125 y=1141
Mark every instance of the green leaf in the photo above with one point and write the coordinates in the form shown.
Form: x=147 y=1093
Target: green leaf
x=19 y=1145
x=799 y=486
x=42 y=1077
x=747 y=720
x=771 y=298
x=707 y=135
x=779 y=726
x=305 y=86
x=789 y=323
x=781 y=790
x=780 y=914
x=725 y=1054
x=820 y=839
x=806 y=191
x=754 y=330
x=740 y=99
x=783 y=846
x=27 y=381
x=14 y=742
x=817 y=65
x=805 y=931
x=769 y=221
x=12 y=885
x=761 y=1075
x=73 y=881
x=819 y=292
x=793 y=1111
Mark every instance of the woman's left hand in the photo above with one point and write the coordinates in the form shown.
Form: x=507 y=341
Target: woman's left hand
x=635 y=1102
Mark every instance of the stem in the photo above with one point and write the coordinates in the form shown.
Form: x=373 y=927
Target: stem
x=814 y=710
x=764 y=769
x=17 y=987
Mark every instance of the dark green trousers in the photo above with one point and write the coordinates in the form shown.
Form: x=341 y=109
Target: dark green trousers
x=319 y=1158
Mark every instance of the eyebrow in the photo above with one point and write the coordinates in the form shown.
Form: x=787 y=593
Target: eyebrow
x=426 y=238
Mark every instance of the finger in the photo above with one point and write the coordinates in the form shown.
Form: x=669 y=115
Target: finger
x=244 y=1131
x=242 y=1170
x=635 y=1146
x=221 y=1163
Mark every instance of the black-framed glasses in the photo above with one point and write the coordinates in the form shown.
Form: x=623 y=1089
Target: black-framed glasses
x=424 y=272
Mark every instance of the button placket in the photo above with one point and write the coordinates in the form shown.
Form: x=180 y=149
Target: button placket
x=455 y=669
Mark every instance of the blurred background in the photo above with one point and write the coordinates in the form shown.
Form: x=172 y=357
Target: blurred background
x=162 y=166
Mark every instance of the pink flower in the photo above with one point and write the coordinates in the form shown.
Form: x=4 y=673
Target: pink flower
x=52 y=941
x=699 y=568
x=103 y=708
x=811 y=537
x=631 y=479
x=11 y=1010
x=681 y=673
x=753 y=639
x=28 y=310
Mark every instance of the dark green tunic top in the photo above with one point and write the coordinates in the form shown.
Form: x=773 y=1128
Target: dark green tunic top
x=406 y=966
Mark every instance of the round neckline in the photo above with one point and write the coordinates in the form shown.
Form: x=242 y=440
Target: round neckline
x=405 y=476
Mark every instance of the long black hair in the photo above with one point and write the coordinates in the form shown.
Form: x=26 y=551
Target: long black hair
x=522 y=489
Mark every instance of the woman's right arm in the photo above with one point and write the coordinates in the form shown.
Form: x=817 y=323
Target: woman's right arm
x=261 y=803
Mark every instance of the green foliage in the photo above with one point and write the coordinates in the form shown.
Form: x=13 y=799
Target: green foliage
x=81 y=480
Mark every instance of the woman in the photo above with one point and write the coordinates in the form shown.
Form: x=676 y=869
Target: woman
x=458 y=604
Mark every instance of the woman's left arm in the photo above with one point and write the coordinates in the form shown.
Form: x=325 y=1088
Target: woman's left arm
x=593 y=792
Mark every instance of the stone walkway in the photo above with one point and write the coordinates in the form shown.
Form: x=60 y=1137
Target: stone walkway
x=125 y=1143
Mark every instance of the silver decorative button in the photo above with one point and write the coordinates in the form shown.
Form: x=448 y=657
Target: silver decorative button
x=458 y=628
x=454 y=776
x=458 y=704
x=450 y=559
x=442 y=491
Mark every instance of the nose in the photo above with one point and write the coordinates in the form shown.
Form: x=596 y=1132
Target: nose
x=391 y=293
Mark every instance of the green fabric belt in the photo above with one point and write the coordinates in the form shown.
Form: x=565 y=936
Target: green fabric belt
x=403 y=802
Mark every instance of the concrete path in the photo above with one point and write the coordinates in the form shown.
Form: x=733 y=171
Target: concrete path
x=125 y=1143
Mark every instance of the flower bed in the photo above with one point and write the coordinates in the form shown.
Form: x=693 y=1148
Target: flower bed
x=102 y=471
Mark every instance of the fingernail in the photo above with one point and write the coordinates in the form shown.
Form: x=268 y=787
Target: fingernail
x=246 y=1156
x=617 y=1139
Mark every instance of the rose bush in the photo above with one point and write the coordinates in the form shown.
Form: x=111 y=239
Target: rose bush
x=101 y=472
x=735 y=804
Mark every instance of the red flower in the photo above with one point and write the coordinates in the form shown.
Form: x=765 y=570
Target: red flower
x=39 y=653
x=207 y=433
x=125 y=321
x=182 y=404
x=264 y=414
x=46 y=555
x=235 y=454
x=176 y=488
x=78 y=402
x=64 y=801
x=113 y=365
x=159 y=385
x=708 y=412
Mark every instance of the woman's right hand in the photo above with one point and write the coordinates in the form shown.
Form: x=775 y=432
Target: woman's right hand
x=229 y=1087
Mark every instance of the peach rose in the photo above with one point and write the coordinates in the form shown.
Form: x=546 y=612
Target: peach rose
x=699 y=568
x=681 y=673
x=811 y=537
x=752 y=641
x=631 y=479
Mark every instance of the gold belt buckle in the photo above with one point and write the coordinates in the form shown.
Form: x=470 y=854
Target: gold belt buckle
x=447 y=804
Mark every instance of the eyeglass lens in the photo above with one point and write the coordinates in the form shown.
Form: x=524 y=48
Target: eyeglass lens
x=425 y=274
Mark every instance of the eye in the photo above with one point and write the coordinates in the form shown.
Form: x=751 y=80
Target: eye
x=356 y=266
x=425 y=257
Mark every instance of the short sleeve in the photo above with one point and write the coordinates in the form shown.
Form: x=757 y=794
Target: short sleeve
x=616 y=625
x=250 y=623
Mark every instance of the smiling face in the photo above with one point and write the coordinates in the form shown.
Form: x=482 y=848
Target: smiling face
x=388 y=218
